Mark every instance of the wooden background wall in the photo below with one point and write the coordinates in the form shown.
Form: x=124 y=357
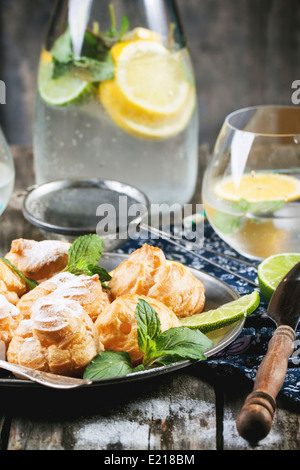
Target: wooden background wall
x=245 y=52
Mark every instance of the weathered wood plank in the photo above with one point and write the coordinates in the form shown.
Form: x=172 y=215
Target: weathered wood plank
x=174 y=412
x=284 y=434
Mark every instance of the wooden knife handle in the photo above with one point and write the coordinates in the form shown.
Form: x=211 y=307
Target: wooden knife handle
x=255 y=418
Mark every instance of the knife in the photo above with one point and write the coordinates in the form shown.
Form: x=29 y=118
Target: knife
x=255 y=419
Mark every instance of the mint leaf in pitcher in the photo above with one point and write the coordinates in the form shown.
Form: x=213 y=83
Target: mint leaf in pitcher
x=94 y=70
x=62 y=51
x=95 y=63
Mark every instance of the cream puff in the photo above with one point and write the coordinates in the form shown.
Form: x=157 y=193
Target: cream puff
x=147 y=272
x=87 y=290
x=117 y=325
x=39 y=260
x=60 y=338
x=178 y=289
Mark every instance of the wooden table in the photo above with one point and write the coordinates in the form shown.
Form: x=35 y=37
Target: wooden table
x=188 y=410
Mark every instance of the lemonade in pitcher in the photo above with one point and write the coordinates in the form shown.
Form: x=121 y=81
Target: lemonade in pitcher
x=118 y=102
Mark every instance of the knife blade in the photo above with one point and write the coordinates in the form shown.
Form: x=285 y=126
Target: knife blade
x=255 y=419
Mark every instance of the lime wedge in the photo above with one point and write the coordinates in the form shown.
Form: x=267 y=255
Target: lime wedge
x=224 y=315
x=273 y=269
x=59 y=91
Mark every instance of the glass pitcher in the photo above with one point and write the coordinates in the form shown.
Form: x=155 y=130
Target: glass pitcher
x=117 y=99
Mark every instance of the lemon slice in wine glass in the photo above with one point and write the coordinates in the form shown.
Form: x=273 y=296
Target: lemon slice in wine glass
x=259 y=186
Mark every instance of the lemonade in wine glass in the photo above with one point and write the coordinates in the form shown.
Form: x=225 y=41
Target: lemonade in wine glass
x=251 y=188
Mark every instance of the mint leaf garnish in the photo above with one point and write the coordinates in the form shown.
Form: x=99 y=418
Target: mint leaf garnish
x=88 y=248
x=173 y=345
x=230 y=222
x=181 y=343
x=148 y=326
x=109 y=364
x=226 y=223
x=91 y=269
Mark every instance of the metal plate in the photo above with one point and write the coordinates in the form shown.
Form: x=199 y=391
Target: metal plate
x=217 y=293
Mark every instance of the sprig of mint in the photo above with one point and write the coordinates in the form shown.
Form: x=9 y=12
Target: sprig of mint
x=84 y=256
x=95 y=63
x=29 y=282
x=108 y=364
x=159 y=348
x=172 y=345
x=113 y=35
x=229 y=223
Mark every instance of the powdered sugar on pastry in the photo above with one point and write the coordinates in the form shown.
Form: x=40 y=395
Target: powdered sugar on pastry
x=46 y=251
x=86 y=290
x=39 y=260
x=59 y=337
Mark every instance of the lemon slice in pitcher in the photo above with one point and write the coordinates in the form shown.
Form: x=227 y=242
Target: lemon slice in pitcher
x=150 y=96
x=256 y=187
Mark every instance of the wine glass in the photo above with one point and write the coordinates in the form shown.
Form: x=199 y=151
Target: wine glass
x=116 y=98
x=7 y=173
x=251 y=187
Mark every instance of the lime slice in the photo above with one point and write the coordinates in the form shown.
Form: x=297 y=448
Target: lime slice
x=224 y=315
x=273 y=269
x=59 y=91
